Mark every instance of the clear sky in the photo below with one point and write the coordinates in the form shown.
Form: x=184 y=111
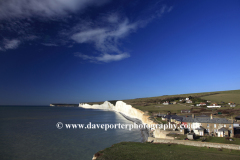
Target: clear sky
x=57 y=51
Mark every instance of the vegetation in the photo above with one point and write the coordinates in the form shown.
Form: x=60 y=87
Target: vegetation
x=162 y=108
x=154 y=104
x=170 y=98
x=151 y=151
x=219 y=140
x=225 y=140
x=161 y=121
x=225 y=96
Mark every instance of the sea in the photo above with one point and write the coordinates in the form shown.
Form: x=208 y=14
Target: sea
x=30 y=132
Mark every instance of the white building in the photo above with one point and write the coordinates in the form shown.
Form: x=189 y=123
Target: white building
x=231 y=104
x=166 y=103
x=188 y=101
x=214 y=105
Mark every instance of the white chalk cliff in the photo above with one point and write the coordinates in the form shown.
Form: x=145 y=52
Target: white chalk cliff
x=130 y=111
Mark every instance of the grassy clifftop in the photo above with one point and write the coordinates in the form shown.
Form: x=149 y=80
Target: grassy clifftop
x=225 y=96
x=232 y=95
x=142 y=151
x=154 y=104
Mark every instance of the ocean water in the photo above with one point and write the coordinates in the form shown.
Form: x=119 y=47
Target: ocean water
x=30 y=132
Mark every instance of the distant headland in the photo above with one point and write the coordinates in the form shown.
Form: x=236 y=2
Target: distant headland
x=63 y=105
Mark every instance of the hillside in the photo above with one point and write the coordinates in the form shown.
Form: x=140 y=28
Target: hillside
x=232 y=95
x=154 y=104
x=130 y=150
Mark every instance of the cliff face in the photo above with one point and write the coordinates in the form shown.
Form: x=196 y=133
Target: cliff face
x=129 y=111
x=120 y=107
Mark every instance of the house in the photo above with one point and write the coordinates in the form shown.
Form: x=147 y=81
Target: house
x=220 y=127
x=173 y=102
x=183 y=130
x=188 y=101
x=199 y=131
x=214 y=105
x=173 y=118
x=185 y=111
x=237 y=118
x=222 y=132
x=166 y=103
x=236 y=127
x=203 y=104
x=231 y=104
x=208 y=101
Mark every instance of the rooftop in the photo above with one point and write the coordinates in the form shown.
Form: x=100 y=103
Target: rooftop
x=238 y=117
x=206 y=120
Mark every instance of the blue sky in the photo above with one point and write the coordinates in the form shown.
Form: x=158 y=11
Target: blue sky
x=55 y=51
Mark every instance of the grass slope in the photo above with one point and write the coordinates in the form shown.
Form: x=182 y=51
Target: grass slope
x=225 y=96
x=149 y=151
x=149 y=103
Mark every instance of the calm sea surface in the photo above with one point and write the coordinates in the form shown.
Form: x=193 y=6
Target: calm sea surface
x=30 y=132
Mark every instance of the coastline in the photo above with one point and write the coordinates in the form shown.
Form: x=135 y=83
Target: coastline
x=108 y=106
x=131 y=113
x=144 y=132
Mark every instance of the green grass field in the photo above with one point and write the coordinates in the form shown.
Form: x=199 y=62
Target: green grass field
x=149 y=104
x=162 y=108
x=151 y=151
x=225 y=96
x=222 y=140
x=161 y=121
x=208 y=139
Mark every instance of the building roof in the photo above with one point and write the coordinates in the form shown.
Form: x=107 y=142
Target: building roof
x=206 y=120
x=178 y=118
x=238 y=117
x=200 y=119
x=223 y=129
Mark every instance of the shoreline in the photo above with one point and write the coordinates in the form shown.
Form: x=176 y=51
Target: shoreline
x=131 y=113
x=144 y=132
